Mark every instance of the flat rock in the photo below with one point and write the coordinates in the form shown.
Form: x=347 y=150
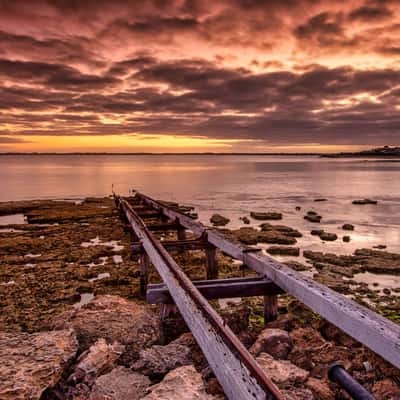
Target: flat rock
x=365 y=201
x=158 y=360
x=120 y=384
x=31 y=363
x=284 y=251
x=114 y=319
x=266 y=215
x=275 y=342
x=282 y=372
x=183 y=383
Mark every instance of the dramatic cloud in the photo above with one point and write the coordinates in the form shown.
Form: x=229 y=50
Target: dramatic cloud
x=268 y=73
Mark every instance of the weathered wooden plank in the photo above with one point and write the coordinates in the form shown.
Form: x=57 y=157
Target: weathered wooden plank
x=218 y=289
x=211 y=262
x=144 y=273
x=376 y=332
x=237 y=372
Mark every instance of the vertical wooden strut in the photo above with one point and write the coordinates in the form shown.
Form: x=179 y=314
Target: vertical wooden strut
x=144 y=273
x=181 y=233
x=270 y=308
x=211 y=262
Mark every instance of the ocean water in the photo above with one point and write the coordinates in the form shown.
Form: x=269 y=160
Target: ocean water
x=230 y=185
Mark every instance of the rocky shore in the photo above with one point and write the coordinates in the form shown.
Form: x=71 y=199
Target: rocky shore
x=73 y=326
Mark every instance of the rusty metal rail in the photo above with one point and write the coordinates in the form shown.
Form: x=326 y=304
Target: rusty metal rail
x=369 y=328
x=236 y=370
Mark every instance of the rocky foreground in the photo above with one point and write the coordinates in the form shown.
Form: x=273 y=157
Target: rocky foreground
x=72 y=324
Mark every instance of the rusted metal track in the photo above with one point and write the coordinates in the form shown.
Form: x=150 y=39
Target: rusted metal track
x=371 y=329
x=236 y=370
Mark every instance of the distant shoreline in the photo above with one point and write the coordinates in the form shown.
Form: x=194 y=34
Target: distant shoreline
x=162 y=154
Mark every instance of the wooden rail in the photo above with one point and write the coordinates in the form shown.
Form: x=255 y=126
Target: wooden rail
x=236 y=370
x=371 y=329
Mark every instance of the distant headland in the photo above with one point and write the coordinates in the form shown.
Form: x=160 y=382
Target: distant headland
x=385 y=151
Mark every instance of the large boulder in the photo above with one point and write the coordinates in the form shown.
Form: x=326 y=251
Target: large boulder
x=31 y=363
x=275 y=342
x=158 y=360
x=116 y=320
x=183 y=383
x=120 y=384
x=282 y=372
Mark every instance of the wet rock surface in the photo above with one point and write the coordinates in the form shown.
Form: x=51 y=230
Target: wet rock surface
x=219 y=220
x=284 y=251
x=31 y=363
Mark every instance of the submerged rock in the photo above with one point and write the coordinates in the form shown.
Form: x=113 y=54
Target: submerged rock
x=284 y=251
x=31 y=363
x=285 y=230
x=114 y=319
x=348 y=227
x=265 y=215
x=312 y=216
x=320 y=199
x=245 y=220
x=120 y=384
x=346 y=239
x=183 y=383
x=219 y=220
x=328 y=236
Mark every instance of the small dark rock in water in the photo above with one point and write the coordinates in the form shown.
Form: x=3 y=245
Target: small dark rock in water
x=286 y=230
x=245 y=220
x=219 y=220
x=319 y=200
x=284 y=251
x=365 y=201
x=298 y=208
x=346 y=239
x=328 y=236
x=348 y=227
x=380 y=247
x=317 y=232
x=386 y=291
x=312 y=216
x=265 y=215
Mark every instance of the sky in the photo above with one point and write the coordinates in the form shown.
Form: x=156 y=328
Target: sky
x=198 y=75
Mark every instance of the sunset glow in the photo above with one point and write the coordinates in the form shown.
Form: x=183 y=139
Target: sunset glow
x=224 y=76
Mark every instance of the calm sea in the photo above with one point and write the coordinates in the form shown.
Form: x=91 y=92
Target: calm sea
x=230 y=185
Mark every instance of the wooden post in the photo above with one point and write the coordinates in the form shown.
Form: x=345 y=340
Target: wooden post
x=270 y=308
x=181 y=234
x=144 y=273
x=165 y=311
x=211 y=262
